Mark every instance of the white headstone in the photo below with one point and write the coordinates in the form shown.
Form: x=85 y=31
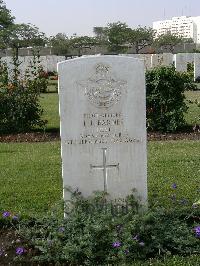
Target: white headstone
x=51 y=63
x=60 y=59
x=103 y=125
x=196 y=66
x=181 y=61
x=145 y=57
x=43 y=62
x=136 y=56
x=147 y=60
x=165 y=59
x=9 y=62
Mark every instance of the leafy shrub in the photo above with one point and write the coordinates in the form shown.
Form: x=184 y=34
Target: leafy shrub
x=35 y=72
x=19 y=99
x=98 y=232
x=165 y=98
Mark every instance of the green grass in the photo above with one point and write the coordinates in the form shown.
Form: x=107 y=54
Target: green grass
x=53 y=86
x=174 y=162
x=193 y=114
x=31 y=174
x=30 y=177
x=31 y=181
x=50 y=105
x=170 y=261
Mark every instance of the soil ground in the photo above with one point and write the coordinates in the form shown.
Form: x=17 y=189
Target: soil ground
x=55 y=136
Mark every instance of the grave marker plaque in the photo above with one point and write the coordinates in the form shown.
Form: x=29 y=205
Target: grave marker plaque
x=103 y=125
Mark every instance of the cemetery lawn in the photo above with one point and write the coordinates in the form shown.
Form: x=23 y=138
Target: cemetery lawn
x=30 y=177
x=50 y=105
x=49 y=102
x=193 y=113
x=31 y=180
x=52 y=86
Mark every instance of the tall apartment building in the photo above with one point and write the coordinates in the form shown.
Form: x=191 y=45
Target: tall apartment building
x=186 y=27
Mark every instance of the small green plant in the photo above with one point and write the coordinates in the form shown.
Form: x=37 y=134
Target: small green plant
x=97 y=231
x=100 y=231
x=19 y=98
x=165 y=99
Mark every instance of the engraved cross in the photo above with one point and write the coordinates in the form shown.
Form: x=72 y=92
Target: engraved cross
x=105 y=168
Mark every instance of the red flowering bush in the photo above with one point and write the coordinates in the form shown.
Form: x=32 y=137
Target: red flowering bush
x=19 y=99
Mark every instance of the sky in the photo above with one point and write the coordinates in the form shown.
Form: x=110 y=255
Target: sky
x=80 y=16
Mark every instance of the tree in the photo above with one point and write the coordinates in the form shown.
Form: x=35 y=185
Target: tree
x=6 y=19
x=17 y=35
x=59 y=43
x=117 y=35
x=25 y=35
x=101 y=34
x=22 y=35
x=141 y=37
x=168 y=40
x=82 y=42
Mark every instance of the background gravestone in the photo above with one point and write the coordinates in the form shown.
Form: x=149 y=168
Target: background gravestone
x=181 y=61
x=147 y=60
x=145 y=57
x=103 y=125
x=51 y=63
x=196 y=66
x=165 y=59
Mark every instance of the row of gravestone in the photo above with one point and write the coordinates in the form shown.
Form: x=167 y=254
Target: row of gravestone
x=49 y=62
x=180 y=61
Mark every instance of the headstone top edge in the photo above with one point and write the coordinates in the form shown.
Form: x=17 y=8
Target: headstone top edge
x=100 y=57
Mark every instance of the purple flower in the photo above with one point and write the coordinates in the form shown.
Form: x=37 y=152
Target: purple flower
x=174 y=186
x=126 y=251
x=20 y=251
x=6 y=214
x=116 y=244
x=197 y=231
x=136 y=237
x=1 y=252
x=61 y=229
x=142 y=244
x=183 y=201
x=15 y=218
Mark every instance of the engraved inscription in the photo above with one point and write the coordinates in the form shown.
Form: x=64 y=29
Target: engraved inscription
x=102 y=89
x=103 y=128
x=103 y=138
x=102 y=120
